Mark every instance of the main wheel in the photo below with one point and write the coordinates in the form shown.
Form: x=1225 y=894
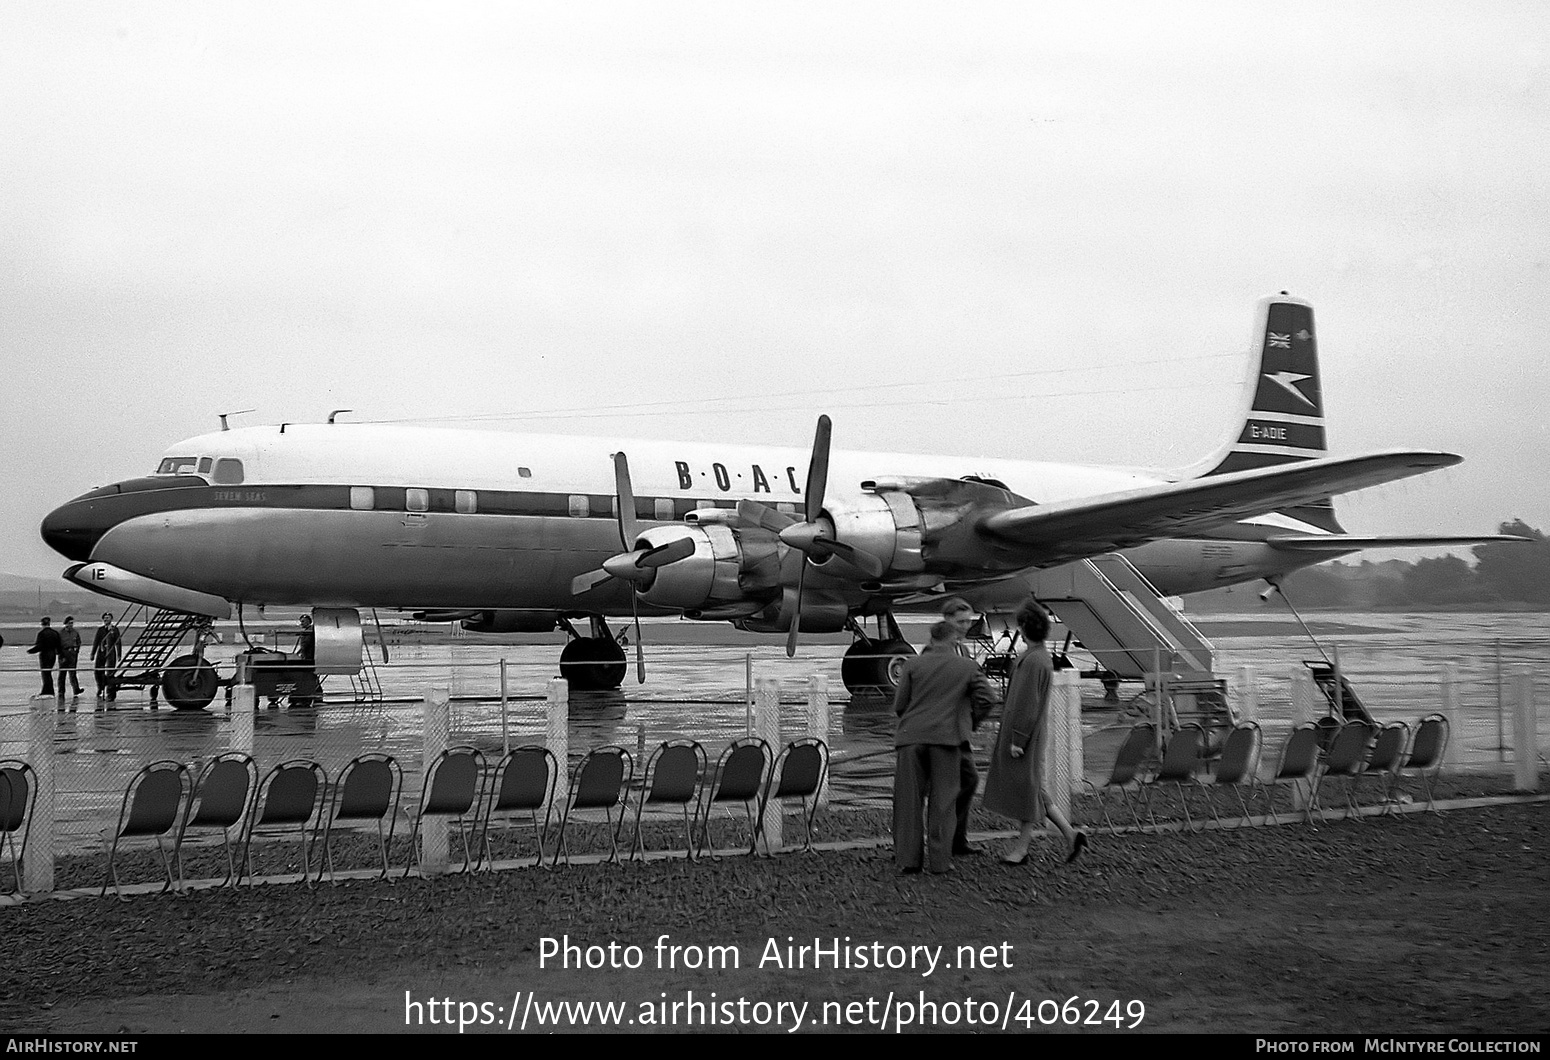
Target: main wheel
x=873 y=667
x=189 y=683
x=593 y=664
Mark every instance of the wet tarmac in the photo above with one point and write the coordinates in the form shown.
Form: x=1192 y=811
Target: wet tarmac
x=701 y=692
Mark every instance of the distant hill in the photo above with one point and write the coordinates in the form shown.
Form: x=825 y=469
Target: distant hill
x=21 y=596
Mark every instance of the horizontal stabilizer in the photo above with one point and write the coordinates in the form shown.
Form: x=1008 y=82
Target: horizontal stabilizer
x=1068 y=530
x=1355 y=542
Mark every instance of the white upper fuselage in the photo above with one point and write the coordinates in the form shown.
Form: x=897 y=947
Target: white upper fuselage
x=364 y=515
x=425 y=457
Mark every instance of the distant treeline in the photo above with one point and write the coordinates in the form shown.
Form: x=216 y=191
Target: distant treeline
x=1507 y=575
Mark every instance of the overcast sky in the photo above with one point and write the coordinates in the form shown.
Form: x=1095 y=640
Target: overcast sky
x=1023 y=229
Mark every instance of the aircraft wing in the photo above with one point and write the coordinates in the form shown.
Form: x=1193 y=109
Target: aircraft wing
x=1067 y=530
x=1355 y=542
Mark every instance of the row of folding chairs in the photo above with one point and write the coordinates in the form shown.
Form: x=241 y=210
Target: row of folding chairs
x=166 y=803
x=1355 y=751
x=678 y=774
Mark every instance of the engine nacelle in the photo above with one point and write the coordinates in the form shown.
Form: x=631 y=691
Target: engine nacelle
x=703 y=580
x=885 y=524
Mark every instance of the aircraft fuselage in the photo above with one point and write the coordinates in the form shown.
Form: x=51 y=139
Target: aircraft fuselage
x=352 y=515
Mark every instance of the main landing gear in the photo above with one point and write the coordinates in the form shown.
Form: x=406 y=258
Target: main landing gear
x=872 y=666
x=595 y=663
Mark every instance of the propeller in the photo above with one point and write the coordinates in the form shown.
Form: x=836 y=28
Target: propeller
x=638 y=566
x=812 y=535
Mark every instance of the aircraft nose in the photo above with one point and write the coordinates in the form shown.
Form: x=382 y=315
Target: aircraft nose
x=73 y=529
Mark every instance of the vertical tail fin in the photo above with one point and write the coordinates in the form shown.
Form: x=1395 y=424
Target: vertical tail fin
x=1284 y=418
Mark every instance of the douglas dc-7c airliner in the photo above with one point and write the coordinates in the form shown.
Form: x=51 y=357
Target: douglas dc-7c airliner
x=508 y=532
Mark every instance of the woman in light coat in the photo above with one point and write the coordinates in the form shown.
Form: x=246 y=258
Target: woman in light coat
x=1015 y=786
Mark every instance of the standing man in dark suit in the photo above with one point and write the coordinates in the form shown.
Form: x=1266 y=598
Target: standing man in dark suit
x=941 y=697
x=69 y=656
x=105 y=645
x=957 y=611
x=46 y=648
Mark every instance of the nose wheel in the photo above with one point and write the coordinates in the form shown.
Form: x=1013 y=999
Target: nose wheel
x=189 y=683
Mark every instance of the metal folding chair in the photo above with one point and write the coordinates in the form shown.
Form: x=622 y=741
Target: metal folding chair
x=451 y=791
x=368 y=789
x=17 y=784
x=1236 y=768
x=1181 y=761
x=149 y=809
x=602 y=782
x=797 y=774
x=290 y=796
x=739 y=777
x=673 y=774
x=1346 y=757
x=219 y=801
x=524 y=780
x=1384 y=760
x=1299 y=761
x=1129 y=761
x=1425 y=756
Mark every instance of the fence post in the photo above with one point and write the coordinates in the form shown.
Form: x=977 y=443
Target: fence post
x=1450 y=709
x=505 y=719
x=244 y=704
x=557 y=735
x=766 y=722
x=1063 y=749
x=38 y=864
x=818 y=722
x=437 y=728
x=1525 y=737
x=1248 y=694
x=1303 y=696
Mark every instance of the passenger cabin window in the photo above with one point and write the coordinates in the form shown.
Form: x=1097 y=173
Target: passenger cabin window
x=417 y=500
x=466 y=501
x=177 y=465
x=228 y=472
x=363 y=498
x=578 y=506
x=664 y=509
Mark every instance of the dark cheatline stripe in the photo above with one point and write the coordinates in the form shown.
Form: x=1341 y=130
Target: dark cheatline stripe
x=127 y=500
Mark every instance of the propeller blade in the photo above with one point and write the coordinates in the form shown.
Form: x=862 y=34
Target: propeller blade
x=586 y=582
x=662 y=555
x=640 y=649
x=817 y=470
x=796 y=612
x=624 y=497
x=864 y=562
x=762 y=515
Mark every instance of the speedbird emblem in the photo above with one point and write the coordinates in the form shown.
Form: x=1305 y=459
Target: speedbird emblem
x=1289 y=381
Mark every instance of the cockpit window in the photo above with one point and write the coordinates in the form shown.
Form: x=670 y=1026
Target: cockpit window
x=228 y=472
x=177 y=465
x=204 y=465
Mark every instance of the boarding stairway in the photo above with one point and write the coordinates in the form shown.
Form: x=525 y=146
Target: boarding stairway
x=143 y=660
x=1122 y=620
